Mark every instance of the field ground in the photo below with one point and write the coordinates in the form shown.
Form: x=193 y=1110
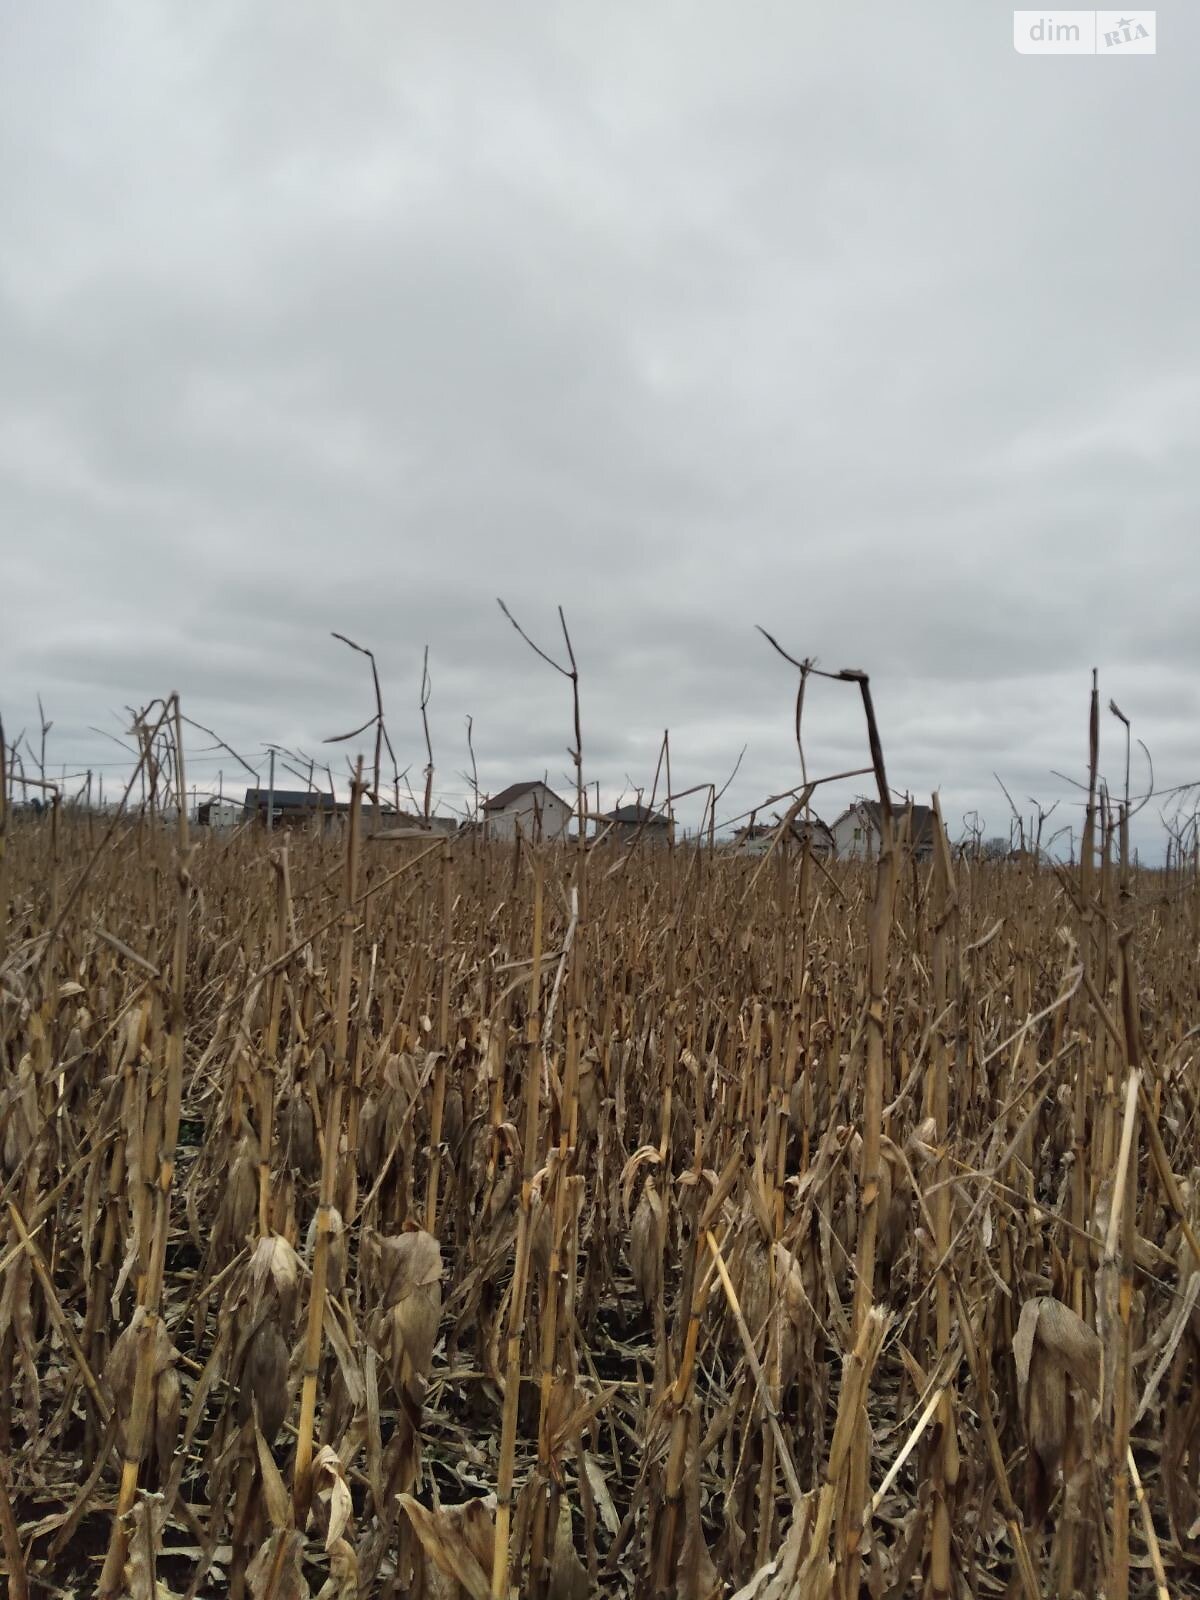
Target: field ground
x=439 y=1220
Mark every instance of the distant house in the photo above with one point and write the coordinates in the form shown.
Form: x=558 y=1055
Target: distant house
x=288 y=807
x=292 y=808
x=430 y=824
x=637 y=823
x=857 y=832
x=817 y=835
x=531 y=809
x=218 y=813
x=406 y=825
x=755 y=839
x=1029 y=854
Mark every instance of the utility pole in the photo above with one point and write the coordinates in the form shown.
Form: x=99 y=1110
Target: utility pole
x=271 y=795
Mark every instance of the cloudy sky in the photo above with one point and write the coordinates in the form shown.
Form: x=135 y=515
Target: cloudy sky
x=845 y=320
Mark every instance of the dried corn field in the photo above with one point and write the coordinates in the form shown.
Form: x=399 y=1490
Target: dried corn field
x=431 y=1219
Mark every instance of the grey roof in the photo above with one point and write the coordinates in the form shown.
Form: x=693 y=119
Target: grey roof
x=288 y=800
x=304 y=800
x=514 y=792
x=635 y=813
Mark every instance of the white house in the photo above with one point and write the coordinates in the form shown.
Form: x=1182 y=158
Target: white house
x=857 y=832
x=531 y=809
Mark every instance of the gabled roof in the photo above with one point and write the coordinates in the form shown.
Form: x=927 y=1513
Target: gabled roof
x=636 y=813
x=500 y=802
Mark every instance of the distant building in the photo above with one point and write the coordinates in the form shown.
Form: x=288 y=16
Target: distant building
x=1031 y=855
x=531 y=809
x=637 y=824
x=817 y=835
x=755 y=839
x=219 y=813
x=31 y=810
x=292 y=808
x=405 y=825
x=288 y=807
x=857 y=832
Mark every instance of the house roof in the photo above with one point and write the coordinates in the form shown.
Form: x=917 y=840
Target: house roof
x=500 y=802
x=636 y=813
x=287 y=799
x=303 y=800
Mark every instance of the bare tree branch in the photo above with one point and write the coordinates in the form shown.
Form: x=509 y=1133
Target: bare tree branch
x=377 y=719
x=426 y=691
x=202 y=729
x=537 y=650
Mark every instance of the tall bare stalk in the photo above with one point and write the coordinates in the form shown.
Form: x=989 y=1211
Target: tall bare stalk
x=301 y=1474
x=443 y=1044
x=152 y=1287
x=945 y=1454
x=520 y=1279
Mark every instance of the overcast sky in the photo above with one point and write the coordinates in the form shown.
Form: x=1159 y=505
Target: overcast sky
x=848 y=321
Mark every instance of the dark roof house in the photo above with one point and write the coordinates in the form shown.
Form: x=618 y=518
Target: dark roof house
x=296 y=801
x=290 y=807
x=637 y=822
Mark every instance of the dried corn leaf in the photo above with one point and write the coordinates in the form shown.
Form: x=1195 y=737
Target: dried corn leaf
x=276 y=1572
x=458 y=1540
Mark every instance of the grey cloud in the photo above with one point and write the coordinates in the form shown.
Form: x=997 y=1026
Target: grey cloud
x=855 y=324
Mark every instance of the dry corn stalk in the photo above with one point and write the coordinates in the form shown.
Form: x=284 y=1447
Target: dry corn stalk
x=702 y=1054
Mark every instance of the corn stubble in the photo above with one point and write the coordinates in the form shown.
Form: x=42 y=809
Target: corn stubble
x=478 y=1221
